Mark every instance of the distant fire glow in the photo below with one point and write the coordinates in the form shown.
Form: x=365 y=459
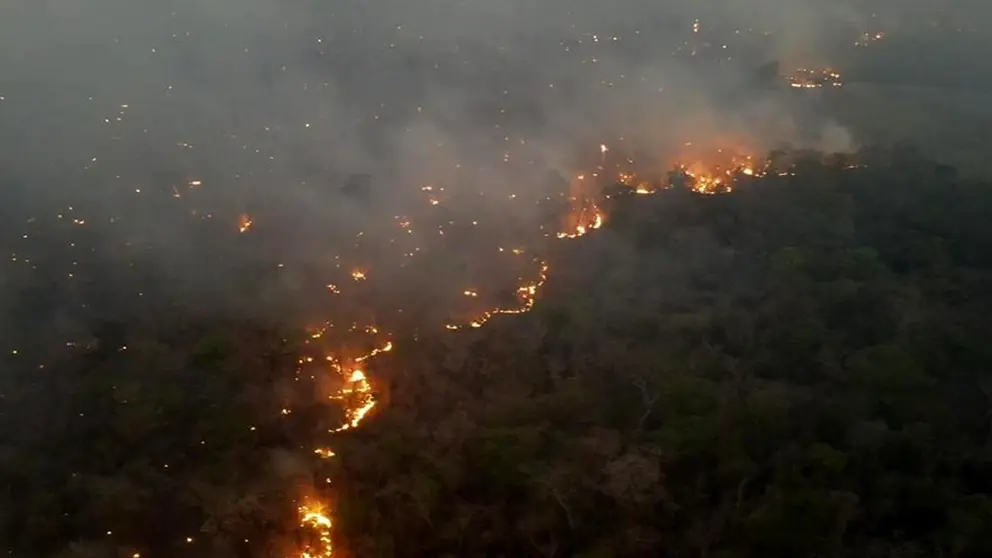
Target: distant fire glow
x=703 y=171
x=806 y=78
x=315 y=519
x=868 y=38
x=420 y=200
x=244 y=223
x=588 y=217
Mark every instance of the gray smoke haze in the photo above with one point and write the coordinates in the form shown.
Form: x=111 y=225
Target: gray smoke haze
x=118 y=106
x=135 y=134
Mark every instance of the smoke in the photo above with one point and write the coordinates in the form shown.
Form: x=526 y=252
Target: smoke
x=117 y=109
x=395 y=157
x=354 y=72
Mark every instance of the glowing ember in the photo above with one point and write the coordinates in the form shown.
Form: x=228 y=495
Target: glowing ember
x=358 y=397
x=526 y=294
x=356 y=394
x=805 y=78
x=244 y=222
x=705 y=172
x=867 y=38
x=314 y=518
x=585 y=215
x=586 y=219
x=383 y=349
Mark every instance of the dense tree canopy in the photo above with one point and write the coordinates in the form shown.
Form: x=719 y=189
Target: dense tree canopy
x=795 y=368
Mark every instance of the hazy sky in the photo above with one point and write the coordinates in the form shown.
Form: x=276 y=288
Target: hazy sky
x=395 y=86
x=134 y=134
x=118 y=106
x=403 y=86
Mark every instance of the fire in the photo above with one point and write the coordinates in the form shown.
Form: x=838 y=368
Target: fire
x=713 y=180
x=714 y=172
x=357 y=399
x=359 y=390
x=313 y=517
x=589 y=218
x=711 y=167
x=630 y=180
x=867 y=38
x=805 y=78
x=586 y=215
x=378 y=351
x=526 y=295
x=356 y=394
x=244 y=222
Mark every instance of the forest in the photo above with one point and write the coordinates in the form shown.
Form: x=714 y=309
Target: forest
x=798 y=367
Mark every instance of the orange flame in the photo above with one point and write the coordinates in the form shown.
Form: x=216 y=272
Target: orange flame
x=244 y=223
x=526 y=294
x=356 y=394
x=314 y=517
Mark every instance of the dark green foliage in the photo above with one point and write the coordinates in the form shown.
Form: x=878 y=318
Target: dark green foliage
x=144 y=438
x=798 y=368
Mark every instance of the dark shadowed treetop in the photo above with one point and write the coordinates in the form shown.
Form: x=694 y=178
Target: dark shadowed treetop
x=795 y=368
